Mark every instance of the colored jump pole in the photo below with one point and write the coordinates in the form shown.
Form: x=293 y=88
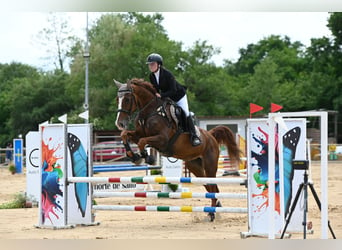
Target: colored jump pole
x=100 y=169
x=171 y=209
x=171 y=195
x=158 y=180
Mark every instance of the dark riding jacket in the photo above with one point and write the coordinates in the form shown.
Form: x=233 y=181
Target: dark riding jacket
x=168 y=86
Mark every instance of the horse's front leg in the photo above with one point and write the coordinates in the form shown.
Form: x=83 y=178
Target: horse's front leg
x=126 y=136
x=154 y=141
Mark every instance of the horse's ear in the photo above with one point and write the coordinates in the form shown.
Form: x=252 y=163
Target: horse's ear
x=118 y=84
x=129 y=82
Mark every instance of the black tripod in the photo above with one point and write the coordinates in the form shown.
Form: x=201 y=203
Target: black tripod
x=304 y=187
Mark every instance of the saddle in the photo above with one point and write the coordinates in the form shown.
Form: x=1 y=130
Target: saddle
x=173 y=113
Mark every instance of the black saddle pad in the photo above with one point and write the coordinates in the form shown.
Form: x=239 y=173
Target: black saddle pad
x=180 y=114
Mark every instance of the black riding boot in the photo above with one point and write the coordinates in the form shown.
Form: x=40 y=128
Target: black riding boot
x=195 y=140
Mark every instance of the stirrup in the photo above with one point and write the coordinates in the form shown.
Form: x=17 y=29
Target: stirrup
x=195 y=141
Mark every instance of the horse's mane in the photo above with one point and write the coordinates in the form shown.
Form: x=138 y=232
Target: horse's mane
x=144 y=84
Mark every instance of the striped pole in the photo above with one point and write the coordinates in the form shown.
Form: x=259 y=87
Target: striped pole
x=171 y=195
x=98 y=169
x=171 y=209
x=158 y=180
x=119 y=165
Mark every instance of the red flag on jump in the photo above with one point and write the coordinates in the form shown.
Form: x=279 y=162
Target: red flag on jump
x=275 y=107
x=253 y=108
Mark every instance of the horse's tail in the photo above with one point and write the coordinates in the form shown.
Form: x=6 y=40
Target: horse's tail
x=224 y=135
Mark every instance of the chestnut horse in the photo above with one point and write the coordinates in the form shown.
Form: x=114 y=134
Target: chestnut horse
x=155 y=127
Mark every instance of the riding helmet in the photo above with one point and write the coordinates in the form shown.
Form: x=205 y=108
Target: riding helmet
x=154 y=57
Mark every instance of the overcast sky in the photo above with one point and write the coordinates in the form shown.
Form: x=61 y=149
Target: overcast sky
x=228 y=31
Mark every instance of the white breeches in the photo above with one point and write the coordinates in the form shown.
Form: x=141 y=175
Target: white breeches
x=183 y=103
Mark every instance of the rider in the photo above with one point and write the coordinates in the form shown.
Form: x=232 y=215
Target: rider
x=167 y=86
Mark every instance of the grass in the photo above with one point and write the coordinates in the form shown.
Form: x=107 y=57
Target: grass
x=19 y=201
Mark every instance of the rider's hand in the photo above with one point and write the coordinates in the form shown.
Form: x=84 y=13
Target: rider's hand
x=158 y=95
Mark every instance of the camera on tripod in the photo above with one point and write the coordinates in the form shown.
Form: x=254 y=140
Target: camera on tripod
x=303 y=165
x=300 y=164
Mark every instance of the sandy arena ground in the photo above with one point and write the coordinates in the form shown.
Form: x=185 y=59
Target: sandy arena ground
x=20 y=223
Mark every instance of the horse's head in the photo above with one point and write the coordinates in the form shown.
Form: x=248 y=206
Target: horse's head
x=126 y=104
x=134 y=95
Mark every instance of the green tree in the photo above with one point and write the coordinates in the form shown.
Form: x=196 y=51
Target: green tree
x=119 y=45
x=34 y=100
x=208 y=85
x=263 y=82
x=320 y=56
x=335 y=26
x=324 y=70
x=281 y=49
x=9 y=73
x=267 y=72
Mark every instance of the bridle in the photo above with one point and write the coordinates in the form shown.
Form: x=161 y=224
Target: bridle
x=141 y=117
x=139 y=109
x=129 y=111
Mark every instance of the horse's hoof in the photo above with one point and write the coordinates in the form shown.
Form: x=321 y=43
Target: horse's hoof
x=150 y=160
x=143 y=154
x=136 y=159
x=211 y=217
x=218 y=204
x=138 y=162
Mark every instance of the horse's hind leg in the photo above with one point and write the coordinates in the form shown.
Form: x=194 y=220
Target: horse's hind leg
x=213 y=188
x=210 y=169
x=197 y=168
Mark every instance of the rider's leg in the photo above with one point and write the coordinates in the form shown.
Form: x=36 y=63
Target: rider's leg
x=183 y=103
